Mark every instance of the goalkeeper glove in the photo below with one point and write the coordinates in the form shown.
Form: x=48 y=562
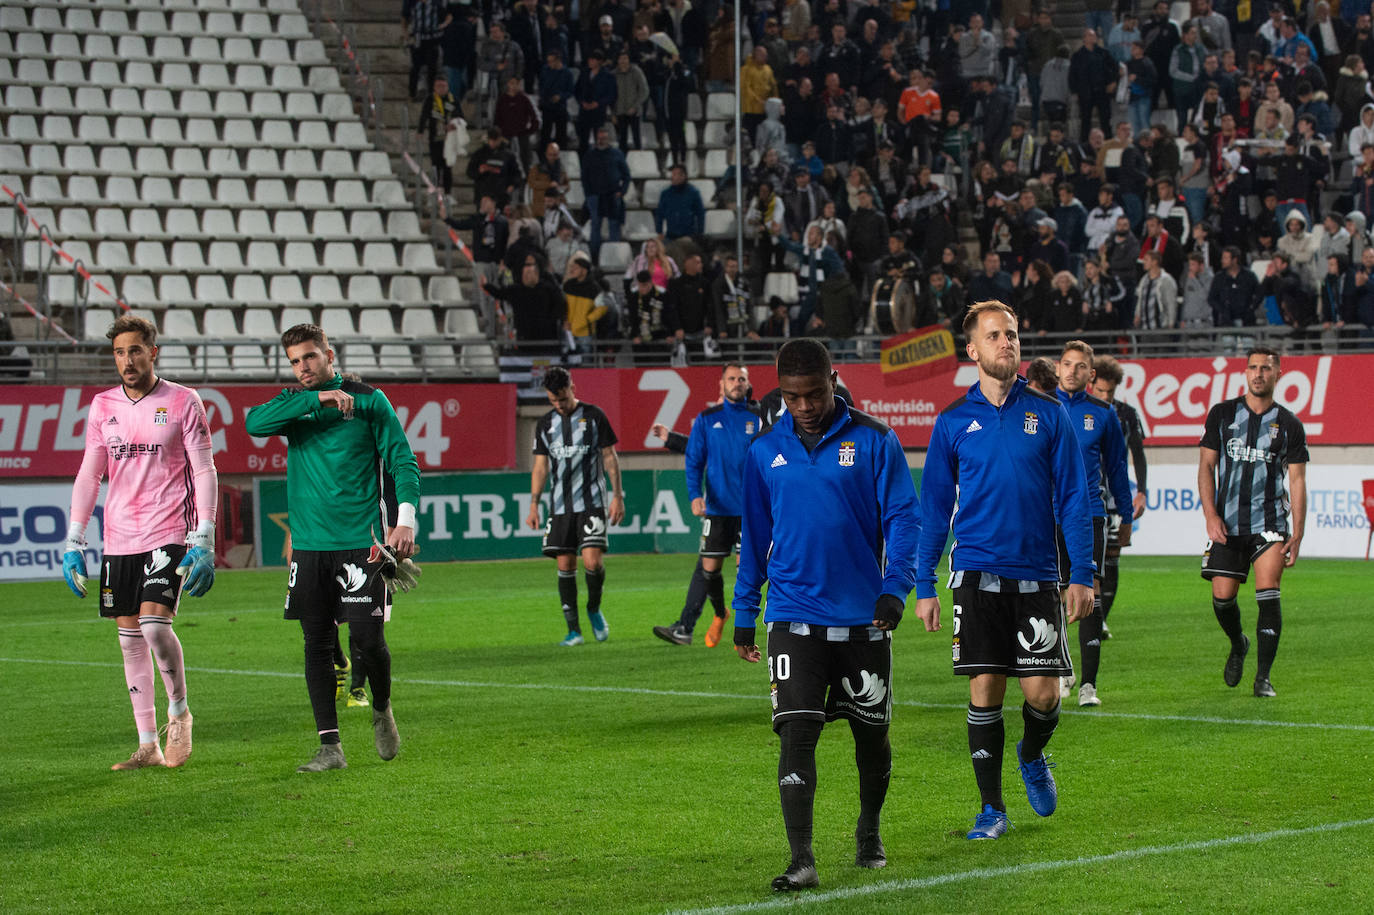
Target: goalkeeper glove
x=399 y=575
x=197 y=567
x=74 y=561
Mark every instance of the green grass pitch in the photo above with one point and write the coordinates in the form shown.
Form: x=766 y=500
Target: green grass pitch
x=635 y=776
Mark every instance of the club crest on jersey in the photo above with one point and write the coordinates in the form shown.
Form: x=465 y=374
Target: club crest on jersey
x=1032 y=423
x=1087 y=422
x=160 y=416
x=749 y=428
x=847 y=452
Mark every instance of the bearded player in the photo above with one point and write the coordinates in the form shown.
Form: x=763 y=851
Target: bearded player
x=1252 y=480
x=351 y=478
x=150 y=439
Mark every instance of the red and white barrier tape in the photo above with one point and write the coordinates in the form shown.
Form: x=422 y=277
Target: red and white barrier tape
x=67 y=258
x=57 y=328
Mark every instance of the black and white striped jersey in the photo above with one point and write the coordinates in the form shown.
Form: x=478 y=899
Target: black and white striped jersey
x=573 y=446
x=1252 y=471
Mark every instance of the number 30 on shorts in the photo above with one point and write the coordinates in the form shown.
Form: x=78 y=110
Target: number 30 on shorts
x=779 y=667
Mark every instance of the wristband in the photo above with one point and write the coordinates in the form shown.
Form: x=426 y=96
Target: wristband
x=744 y=637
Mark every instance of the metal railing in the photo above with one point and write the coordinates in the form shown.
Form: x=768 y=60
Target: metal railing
x=187 y=361
x=1226 y=342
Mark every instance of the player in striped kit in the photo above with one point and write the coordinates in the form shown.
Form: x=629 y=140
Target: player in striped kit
x=1247 y=445
x=573 y=445
x=149 y=437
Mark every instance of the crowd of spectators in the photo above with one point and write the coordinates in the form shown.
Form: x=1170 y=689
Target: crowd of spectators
x=1142 y=172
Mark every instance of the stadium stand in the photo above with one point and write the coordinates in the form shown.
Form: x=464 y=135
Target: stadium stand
x=208 y=160
x=245 y=154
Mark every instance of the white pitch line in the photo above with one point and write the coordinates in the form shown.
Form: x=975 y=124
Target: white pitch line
x=1030 y=867
x=704 y=694
x=190 y=615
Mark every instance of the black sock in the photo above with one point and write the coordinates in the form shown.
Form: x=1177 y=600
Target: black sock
x=1268 y=626
x=697 y=590
x=376 y=657
x=1111 y=575
x=797 y=785
x=1090 y=643
x=715 y=589
x=567 y=596
x=873 y=757
x=1039 y=728
x=319 y=676
x=359 y=675
x=986 y=737
x=1228 y=614
x=595 y=579
x=340 y=659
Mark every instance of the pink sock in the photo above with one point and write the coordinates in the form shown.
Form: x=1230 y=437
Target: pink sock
x=138 y=674
x=157 y=632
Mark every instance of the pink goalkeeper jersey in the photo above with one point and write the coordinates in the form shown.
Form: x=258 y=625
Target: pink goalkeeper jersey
x=157 y=454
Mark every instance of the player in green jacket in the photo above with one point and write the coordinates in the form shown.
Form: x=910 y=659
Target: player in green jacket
x=351 y=478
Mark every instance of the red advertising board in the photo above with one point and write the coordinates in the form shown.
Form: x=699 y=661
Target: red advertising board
x=1172 y=395
x=450 y=427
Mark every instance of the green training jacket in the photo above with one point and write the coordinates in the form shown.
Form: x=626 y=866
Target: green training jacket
x=335 y=467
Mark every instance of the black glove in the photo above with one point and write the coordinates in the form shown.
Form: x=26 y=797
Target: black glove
x=744 y=637
x=888 y=609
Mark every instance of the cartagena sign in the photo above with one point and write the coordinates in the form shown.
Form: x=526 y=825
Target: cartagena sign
x=918 y=354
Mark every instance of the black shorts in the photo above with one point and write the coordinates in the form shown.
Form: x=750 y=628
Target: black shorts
x=1099 y=550
x=344 y=585
x=1011 y=632
x=572 y=532
x=720 y=535
x=826 y=672
x=1233 y=558
x=129 y=582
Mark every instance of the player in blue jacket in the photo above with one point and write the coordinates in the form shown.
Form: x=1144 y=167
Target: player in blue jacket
x=831 y=524
x=1103 y=444
x=715 y=451
x=1004 y=452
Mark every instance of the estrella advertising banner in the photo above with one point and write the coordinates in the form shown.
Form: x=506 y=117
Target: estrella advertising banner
x=482 y=516
x=1172 y=395
x=450 y=427
x=917 y=354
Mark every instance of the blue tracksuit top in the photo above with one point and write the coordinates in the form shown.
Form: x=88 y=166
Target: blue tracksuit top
x=816 y=525
x=1103 y=444
x=1014 y=471
x=720 y=437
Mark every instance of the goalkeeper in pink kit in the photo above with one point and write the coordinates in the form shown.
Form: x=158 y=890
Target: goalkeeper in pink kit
x=149 y=437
